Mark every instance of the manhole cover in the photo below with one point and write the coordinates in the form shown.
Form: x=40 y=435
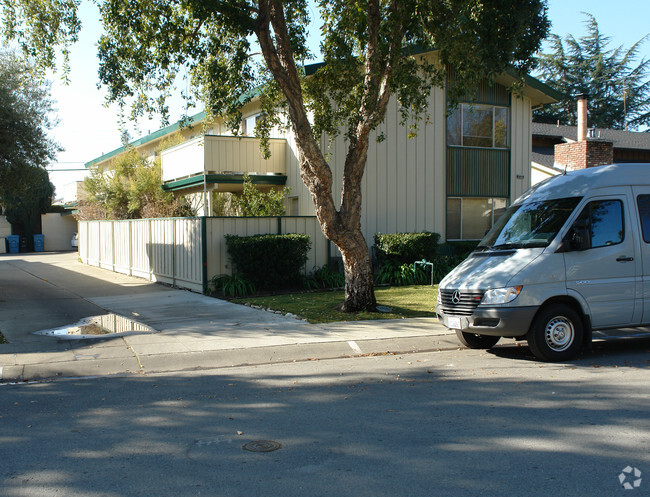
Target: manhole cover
x=262 y=446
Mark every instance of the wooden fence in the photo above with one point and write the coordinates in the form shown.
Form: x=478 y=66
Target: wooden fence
x=185 y=252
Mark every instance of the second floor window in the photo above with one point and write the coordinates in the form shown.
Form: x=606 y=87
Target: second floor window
x=484 y=126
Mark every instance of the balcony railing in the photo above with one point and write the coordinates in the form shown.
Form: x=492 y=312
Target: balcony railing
x=222 y=155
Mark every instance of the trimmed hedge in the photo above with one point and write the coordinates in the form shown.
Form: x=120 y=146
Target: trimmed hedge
x=406 y=248
x=269 y=261
x=397 y=252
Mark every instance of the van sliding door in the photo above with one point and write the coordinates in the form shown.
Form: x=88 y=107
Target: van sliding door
x=642 y=196
x=604 y=273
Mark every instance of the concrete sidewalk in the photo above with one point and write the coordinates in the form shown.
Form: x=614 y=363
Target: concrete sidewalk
x=49 y=290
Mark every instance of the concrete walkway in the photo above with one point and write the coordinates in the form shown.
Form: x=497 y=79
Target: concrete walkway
x=49 y=290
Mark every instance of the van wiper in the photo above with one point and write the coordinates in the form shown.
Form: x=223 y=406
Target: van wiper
x=511 y=245
x=508 y=246
x=482 y=248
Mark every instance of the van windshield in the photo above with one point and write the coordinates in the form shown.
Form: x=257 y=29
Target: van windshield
x=532 y=224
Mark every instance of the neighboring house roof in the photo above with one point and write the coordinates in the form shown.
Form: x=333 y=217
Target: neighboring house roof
x=546 y=135
x=619 y=137
x=543 y=156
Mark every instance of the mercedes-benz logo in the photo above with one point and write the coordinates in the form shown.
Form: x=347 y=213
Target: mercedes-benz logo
x=455 y=298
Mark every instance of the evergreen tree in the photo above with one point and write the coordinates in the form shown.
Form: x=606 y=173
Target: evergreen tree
x=618 y=89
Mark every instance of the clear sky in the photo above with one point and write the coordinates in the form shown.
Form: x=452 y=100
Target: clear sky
x=88 y=129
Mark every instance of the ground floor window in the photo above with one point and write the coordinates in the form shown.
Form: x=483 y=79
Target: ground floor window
x=293 y=206
x=471 y=218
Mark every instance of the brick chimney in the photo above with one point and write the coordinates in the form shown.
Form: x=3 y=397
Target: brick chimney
x=584 y=152
x=582 y=117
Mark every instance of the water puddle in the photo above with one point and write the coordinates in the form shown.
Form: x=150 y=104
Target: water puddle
x=102 y=326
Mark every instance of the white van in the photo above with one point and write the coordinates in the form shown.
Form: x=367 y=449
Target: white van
x=570 y=256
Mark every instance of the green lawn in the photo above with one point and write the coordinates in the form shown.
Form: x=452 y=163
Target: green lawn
x=322 y=307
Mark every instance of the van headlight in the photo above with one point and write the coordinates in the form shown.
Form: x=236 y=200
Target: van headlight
x=501 y=295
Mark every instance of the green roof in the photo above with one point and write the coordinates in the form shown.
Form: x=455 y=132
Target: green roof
x=149 y=138
x=309 y=70
x=530 y=81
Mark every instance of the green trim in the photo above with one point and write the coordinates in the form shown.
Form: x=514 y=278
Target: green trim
x=539 y=86
x=232 y=179
x=201 y=116
x=204 y=254
x=311 y=69
x=149 y=138
x=476 y=172
x=531 y=81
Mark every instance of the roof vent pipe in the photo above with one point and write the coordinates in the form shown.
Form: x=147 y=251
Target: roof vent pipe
x=582 y=116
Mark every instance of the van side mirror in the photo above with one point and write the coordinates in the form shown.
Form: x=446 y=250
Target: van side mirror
x=576 y=239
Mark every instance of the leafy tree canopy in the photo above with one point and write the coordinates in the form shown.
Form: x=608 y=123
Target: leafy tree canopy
x=29 y=196
x=233 y=50
x=130 y=190
x=617 y=86
x=254 y=202
x=25 y=109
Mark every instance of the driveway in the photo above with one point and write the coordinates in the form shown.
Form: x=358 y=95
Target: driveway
x=48 y=290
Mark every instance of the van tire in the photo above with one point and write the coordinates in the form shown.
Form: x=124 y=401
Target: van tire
x=474 y=341
x=556 y=333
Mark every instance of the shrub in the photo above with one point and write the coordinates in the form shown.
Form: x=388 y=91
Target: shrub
x=269 y=261
x=324 y=277
x=406 y=248
x=457 y=252
x=232 y=286
x=394 y=273
x=397 y=252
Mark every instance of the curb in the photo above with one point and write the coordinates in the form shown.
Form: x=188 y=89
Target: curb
x=218 y=359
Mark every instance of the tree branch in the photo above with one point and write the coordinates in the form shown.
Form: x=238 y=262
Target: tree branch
x=373 y=107
x=314 y=169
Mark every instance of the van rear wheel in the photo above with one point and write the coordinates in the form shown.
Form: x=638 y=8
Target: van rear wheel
x=556 y=334
x=474 y=341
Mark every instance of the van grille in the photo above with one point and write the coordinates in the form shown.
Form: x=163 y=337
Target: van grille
x=465 y=306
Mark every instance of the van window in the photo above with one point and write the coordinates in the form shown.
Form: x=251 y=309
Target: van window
x=643 y=202
x=602 y=222
x=532 y=224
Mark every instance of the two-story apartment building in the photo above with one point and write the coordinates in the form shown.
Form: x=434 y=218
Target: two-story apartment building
x=453 y=178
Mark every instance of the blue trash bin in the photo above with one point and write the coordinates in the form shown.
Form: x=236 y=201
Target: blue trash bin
x=14 y=243
x=39 y=243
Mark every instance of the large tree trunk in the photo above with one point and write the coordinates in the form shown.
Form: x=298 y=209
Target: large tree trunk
x=343 y=226
x=359 y=281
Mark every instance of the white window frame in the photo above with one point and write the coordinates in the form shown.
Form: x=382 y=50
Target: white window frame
x=461 y=108
x=461 y=239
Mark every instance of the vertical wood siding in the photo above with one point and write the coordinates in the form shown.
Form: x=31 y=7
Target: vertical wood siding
x=478 y=172
x=521 y=148
x=404 y=182
x=165 y=250
x=218 y=259
x=170 y=250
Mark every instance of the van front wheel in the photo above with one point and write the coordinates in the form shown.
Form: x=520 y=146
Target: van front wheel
x=474 y=341
x=556 y=334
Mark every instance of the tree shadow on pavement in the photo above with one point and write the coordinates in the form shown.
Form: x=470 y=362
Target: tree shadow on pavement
x=436 y=430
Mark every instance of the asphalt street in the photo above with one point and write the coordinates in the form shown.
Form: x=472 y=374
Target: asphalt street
x=452 y=423
x=351 y=409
